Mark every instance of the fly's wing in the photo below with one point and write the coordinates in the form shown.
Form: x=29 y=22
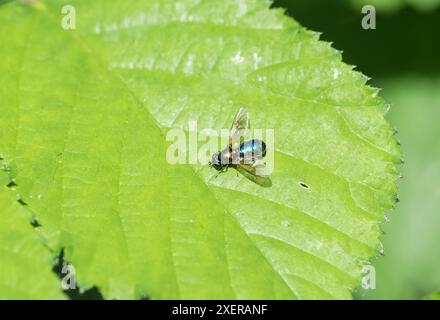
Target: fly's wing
x=258 y=169
x=239 y=127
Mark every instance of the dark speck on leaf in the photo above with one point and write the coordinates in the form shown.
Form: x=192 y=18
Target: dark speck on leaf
x=303 y=185
x=21 y=201
x=11 y=184
x=35 y=223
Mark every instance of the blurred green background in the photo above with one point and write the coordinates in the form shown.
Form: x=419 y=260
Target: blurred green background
x=402 y=56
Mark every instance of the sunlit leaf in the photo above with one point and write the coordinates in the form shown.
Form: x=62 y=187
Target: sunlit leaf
x=84 y=118
x=25 y=263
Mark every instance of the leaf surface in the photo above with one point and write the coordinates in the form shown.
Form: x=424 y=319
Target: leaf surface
x=24 y=260
x=86 y=113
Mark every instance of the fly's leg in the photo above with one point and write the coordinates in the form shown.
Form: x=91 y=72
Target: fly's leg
x=224 y=169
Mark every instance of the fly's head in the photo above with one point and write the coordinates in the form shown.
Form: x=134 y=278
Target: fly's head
x=216 y=161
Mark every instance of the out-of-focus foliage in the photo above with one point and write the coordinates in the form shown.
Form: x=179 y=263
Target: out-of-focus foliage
x=433 y=296
x=394 y=5
x=404 y=42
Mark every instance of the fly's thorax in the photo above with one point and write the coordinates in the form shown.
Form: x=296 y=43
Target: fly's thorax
x=230 y=156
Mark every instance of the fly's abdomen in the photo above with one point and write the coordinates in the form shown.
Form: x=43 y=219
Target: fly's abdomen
x=252 y=150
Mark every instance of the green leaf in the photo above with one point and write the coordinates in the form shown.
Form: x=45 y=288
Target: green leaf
x=25 y=263
x=86 y=112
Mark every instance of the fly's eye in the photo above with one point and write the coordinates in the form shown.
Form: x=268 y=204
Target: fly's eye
x=215 y=159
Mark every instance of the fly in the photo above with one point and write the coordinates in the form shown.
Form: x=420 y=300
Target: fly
x=247 y=155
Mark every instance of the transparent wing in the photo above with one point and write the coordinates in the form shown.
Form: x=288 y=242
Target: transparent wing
x=257 y=168
x=241 y=120
x=239 y=127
